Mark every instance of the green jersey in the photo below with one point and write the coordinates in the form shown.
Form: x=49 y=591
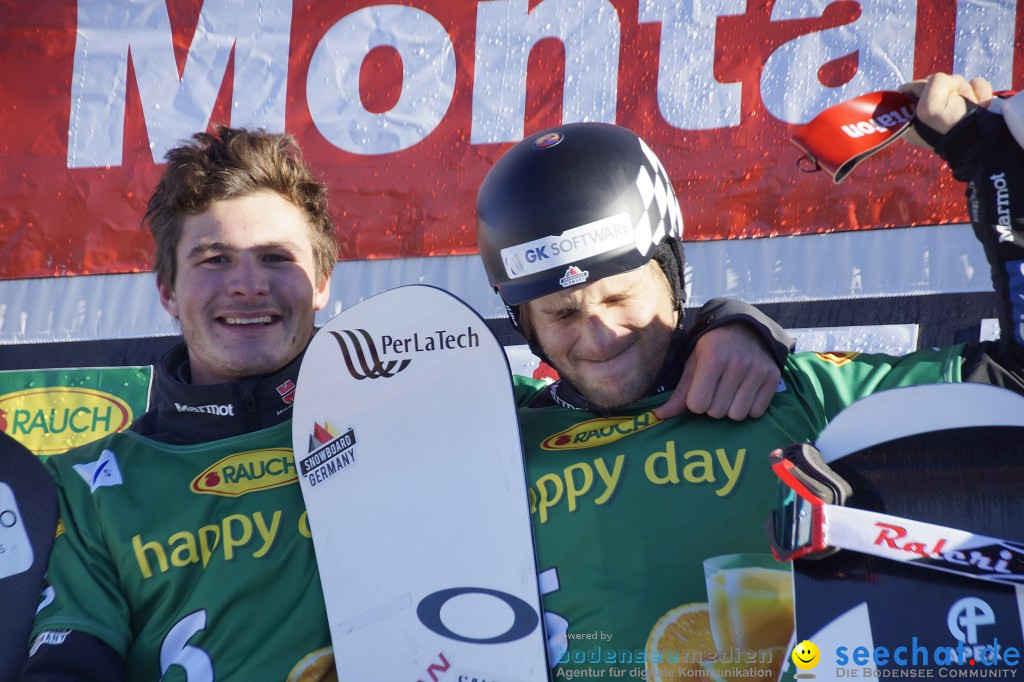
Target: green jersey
x=161 y=548
x=627 y=508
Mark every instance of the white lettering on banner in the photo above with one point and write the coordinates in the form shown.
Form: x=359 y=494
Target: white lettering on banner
x=571 y=246
x=177 y=103
x=882 y=38
x=689 y=97
x=174 y=106
x=983 y=44
x=428 y=79
x=506 y=31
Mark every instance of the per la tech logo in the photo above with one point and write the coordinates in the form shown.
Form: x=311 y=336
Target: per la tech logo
x=363 y=355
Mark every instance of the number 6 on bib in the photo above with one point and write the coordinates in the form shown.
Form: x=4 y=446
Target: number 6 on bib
x=408 y=455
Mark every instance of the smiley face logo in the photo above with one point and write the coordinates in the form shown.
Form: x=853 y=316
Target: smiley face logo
x=806 y=655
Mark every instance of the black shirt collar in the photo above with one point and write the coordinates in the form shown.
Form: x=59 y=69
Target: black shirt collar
x=186 y=413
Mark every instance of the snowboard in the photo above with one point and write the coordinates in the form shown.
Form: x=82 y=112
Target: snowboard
x=949 y=455
x=408 y=455
x=28 y=521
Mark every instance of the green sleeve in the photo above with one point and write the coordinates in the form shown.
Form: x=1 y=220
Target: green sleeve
x=81 y=576
x=526 y=388
x=836 y=380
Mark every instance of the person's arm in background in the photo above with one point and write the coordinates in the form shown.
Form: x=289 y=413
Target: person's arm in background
x=962 y=122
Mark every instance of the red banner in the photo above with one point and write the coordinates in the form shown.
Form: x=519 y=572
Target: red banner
x=402 y=108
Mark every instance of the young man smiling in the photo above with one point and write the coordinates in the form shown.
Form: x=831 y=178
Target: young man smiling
x=183 y=550
x=245 y=278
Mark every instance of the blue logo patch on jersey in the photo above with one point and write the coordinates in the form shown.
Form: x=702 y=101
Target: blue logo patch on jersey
x=102 y=472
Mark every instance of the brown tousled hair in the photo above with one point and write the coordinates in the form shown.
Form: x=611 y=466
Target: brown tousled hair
x=229 y=163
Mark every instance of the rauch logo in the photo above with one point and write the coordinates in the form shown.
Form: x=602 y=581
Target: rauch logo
x=596 y=432
x=52 y=420
x=247 y=472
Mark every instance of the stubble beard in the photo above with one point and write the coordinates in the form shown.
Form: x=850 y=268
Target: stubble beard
x=609 y=398
x=239 y=363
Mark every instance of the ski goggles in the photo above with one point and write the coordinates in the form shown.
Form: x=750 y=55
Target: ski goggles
x=809 y=521
x=796 y=527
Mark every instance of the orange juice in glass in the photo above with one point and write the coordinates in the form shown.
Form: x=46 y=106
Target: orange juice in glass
x=750 y=602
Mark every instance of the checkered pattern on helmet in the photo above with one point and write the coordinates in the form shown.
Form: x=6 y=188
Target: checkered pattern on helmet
x=662 y=216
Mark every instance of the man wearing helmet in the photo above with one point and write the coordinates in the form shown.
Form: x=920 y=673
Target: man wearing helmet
x=622 y=244
x=579 y=230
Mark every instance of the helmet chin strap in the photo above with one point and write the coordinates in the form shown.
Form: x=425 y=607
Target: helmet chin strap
x=515 y=313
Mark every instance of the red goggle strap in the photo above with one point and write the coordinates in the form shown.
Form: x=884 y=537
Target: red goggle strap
x=785 y=471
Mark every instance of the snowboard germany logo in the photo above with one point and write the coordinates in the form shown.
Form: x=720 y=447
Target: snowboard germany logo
x=329 y=453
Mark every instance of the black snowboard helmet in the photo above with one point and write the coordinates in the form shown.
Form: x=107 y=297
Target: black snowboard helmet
x=574 y=204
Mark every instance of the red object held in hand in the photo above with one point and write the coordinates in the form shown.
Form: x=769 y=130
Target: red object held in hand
x=842 y=136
